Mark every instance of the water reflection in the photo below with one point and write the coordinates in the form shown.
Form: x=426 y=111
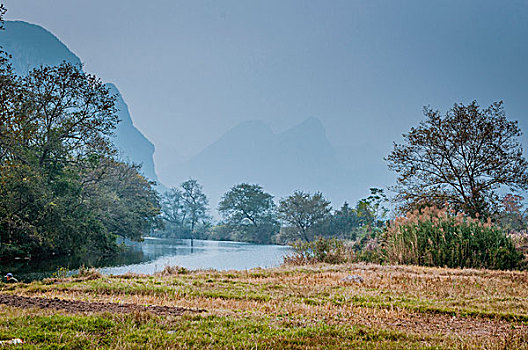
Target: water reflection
x=154 y=254
x=218 y=255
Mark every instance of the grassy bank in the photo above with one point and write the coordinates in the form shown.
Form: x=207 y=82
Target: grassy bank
x=309 y=307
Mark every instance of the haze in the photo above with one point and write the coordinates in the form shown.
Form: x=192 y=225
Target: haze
x=190 y=71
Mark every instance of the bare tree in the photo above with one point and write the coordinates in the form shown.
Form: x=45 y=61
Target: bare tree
x=462 y=158
x=194 y=202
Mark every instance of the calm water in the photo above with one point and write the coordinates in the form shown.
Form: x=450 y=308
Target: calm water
x=154 y=254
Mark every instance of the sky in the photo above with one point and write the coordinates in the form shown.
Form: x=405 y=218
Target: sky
x=192 y=70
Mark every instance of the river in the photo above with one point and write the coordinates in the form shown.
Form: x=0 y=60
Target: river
x=153 y=254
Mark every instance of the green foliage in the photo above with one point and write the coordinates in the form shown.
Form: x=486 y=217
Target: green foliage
x=173 y=214
x=62 y=192
x=321 y=250
x=367 y=246
x=124 y=201
x=343 y=223
x=434 y=237
x=354 y=223
x=305 y=213
x=371 y=210
x=249 y=214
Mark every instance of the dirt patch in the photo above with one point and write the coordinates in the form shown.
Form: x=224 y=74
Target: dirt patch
x=84 y=306
x=460 y=326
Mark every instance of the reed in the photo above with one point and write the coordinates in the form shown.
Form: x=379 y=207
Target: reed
x=438 y=237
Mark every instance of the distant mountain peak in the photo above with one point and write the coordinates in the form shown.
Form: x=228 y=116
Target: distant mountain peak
x=299 y=158
x=309 y=127
x=32 y=45
x=252 y=126
x=311 y=123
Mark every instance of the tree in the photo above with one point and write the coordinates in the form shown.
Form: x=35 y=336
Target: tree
x=173 y=212
x=461 y=159
x=344 y=222
x=370 y=210
x=125 y=202
x=72 y=114
x=194 y=203
x=55 y=123
x=304 y=212
x=513 y=217
x=363 y=220
x=3 y=55
x=250 y=211
x=61 y=189
x=9 y=97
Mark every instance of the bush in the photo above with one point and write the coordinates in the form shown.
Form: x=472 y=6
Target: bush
x=172 y=271
x=322 y=250
x=368 y=249
x=90 y=273
x=436 y=237
x=11 y=251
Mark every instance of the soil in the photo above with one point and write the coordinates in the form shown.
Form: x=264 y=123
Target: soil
x=84 y=306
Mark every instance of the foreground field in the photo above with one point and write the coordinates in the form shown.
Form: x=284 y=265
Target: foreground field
x=395 y=307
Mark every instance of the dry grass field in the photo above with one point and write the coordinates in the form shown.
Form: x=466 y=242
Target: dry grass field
x=291 y=307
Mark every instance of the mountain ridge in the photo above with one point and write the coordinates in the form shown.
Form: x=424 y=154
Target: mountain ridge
x=299 y=158
x=31 y=46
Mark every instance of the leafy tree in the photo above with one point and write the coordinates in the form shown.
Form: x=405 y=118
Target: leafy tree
x=184 y=211
x=61 y=189
x=72 y=115
x=3 y=55
x=462 y=159
x=9 y=97
x=194 y=203
x=125 y=202
x=305 y=213
x=249 y=210
x=363 y=222
x=370 y=210
x=344 y=222
x=55 y=123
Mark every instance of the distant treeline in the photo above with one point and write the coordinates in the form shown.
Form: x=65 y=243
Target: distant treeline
x=249 y=214
x=425 y=236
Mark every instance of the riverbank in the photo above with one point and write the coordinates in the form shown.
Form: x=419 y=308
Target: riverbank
x=310 y=307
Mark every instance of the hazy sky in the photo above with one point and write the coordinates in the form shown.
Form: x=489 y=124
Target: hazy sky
x=191 y=70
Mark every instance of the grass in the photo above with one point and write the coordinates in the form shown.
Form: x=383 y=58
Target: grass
x=306 y=307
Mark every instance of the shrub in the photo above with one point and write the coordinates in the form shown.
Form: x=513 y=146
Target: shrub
x=436 y=237
x=172 y=271
x=368 y=249
x=90 y=273
x=321 y=250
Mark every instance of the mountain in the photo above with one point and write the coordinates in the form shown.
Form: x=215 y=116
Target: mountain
x=31 y=46
x=300 y=158
x=133 y=145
